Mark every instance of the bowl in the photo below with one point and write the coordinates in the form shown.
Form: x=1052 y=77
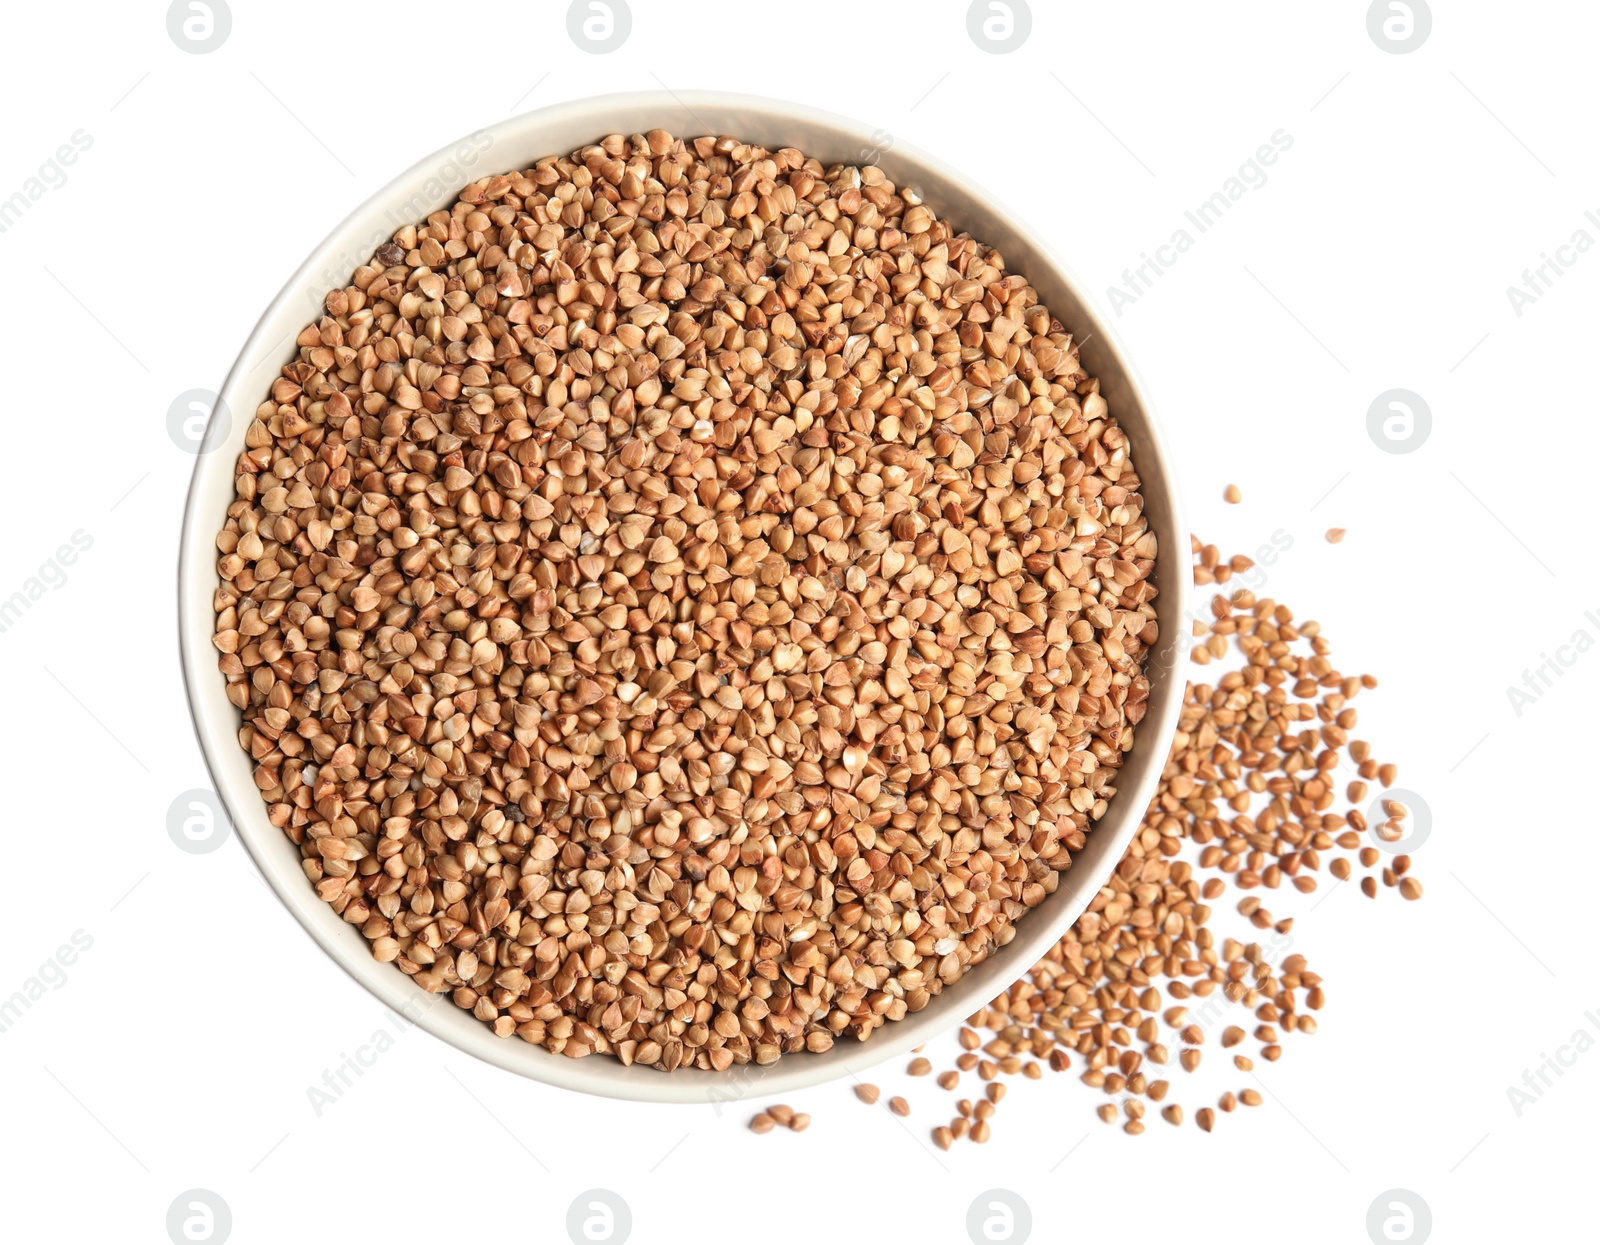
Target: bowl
x=518 y=143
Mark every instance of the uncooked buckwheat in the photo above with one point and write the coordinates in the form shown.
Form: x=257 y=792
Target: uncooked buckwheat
x=685 y=602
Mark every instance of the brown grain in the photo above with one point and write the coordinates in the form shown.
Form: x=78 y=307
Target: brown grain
x=1248 y=797
x=685 y=602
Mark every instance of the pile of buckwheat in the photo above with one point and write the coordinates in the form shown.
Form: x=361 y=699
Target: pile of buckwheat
x=686 y=602
x=1264 y=781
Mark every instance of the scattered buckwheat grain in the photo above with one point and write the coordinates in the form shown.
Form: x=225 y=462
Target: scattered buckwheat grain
x=1249 y=798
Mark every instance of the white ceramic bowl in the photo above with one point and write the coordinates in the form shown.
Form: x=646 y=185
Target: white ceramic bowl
x=432 y=184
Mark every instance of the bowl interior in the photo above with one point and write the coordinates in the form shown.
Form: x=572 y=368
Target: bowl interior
x=518 y=143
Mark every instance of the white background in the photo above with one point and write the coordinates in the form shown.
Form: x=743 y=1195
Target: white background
x=178 y=1052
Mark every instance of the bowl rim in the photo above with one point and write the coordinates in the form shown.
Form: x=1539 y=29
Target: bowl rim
x=761 y=120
